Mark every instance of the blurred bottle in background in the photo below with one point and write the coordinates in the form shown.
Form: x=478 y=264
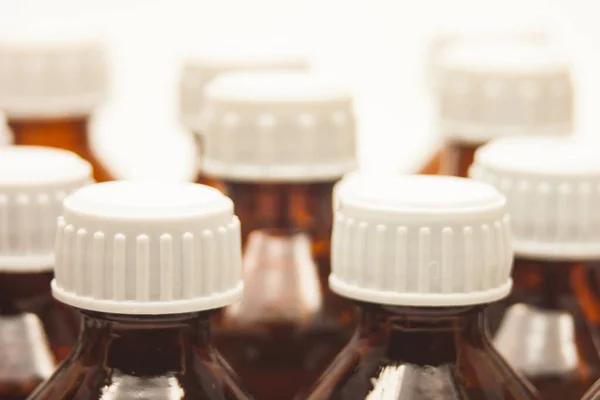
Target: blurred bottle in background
x=36 y=332
x=201 y=67
x=494 y=89
x=52 y=79
x=549 y=327
x=496 y=22
x=489 y=24
x=276 y=143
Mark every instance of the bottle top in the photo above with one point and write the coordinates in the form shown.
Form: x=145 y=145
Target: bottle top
x=148 y=248
x=201 y=67
x=504 y=88
x=49 y=70
x=420 y=241
x=552 y=186
x=278 y=126
x=488 y=28
x=33 y=183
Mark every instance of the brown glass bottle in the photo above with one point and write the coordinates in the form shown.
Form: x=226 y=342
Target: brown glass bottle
x=149 y=357
x=456 y=158
x=421 y=353
x=432 y=164
x=554 y=313
x=65 y=133
x=288 y=326
x=36 y=332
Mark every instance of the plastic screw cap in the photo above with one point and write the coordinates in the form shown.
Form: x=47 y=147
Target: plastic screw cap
x=492 y=24
x=420 y=241
x=495 y=89
x=148 y=248
x=33 y=183
x=552 y=186
x=278 y=126
x=201 y=67
x=50 y=70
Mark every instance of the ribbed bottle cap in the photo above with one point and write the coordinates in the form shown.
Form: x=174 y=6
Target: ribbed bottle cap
x=489 y=29
x=278 y=126
x=47 y=70
x=148 y=248
x=203 y=66
x=552 y=186
x=33 y=183
x=420 y=241
x=489 y=90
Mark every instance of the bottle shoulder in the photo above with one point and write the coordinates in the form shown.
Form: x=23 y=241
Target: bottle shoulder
x=35 y=335
x=199 y=378
x=363 y=371
x=556 y=349
x=549 y=328
x=284 y=263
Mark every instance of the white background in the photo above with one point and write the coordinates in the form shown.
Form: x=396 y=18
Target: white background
x=377 y=47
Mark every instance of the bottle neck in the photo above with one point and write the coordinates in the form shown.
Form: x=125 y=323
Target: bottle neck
x=429 y=336
x=144 y=345
x=63 y=133
x=283 y=208
x=67 y=133
x=457 y=157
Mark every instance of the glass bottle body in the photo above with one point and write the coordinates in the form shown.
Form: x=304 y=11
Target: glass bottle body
x=36 y=332
x=288 y=326
x=549 y=326
x=593 y=393
x=400 y=353
x=457 y=157
x=64 y=133
x=150 y=357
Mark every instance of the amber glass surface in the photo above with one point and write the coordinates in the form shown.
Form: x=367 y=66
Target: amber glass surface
x=169 y=357
x=288 y=326
x=593 y=393
x=207 y=180
x=36 y=332
x=421 y=354
x=549 y=326
x=66 y=133
x=456 y=158
x=432 y=165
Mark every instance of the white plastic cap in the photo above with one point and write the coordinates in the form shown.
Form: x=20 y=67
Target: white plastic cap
x=202 y=67
x=490 y=25
x=278 y=126
x=494 y=89
x=420 y=241
x=148 y=248
x=552 y=186
x=50 y=70
x=33 y=183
